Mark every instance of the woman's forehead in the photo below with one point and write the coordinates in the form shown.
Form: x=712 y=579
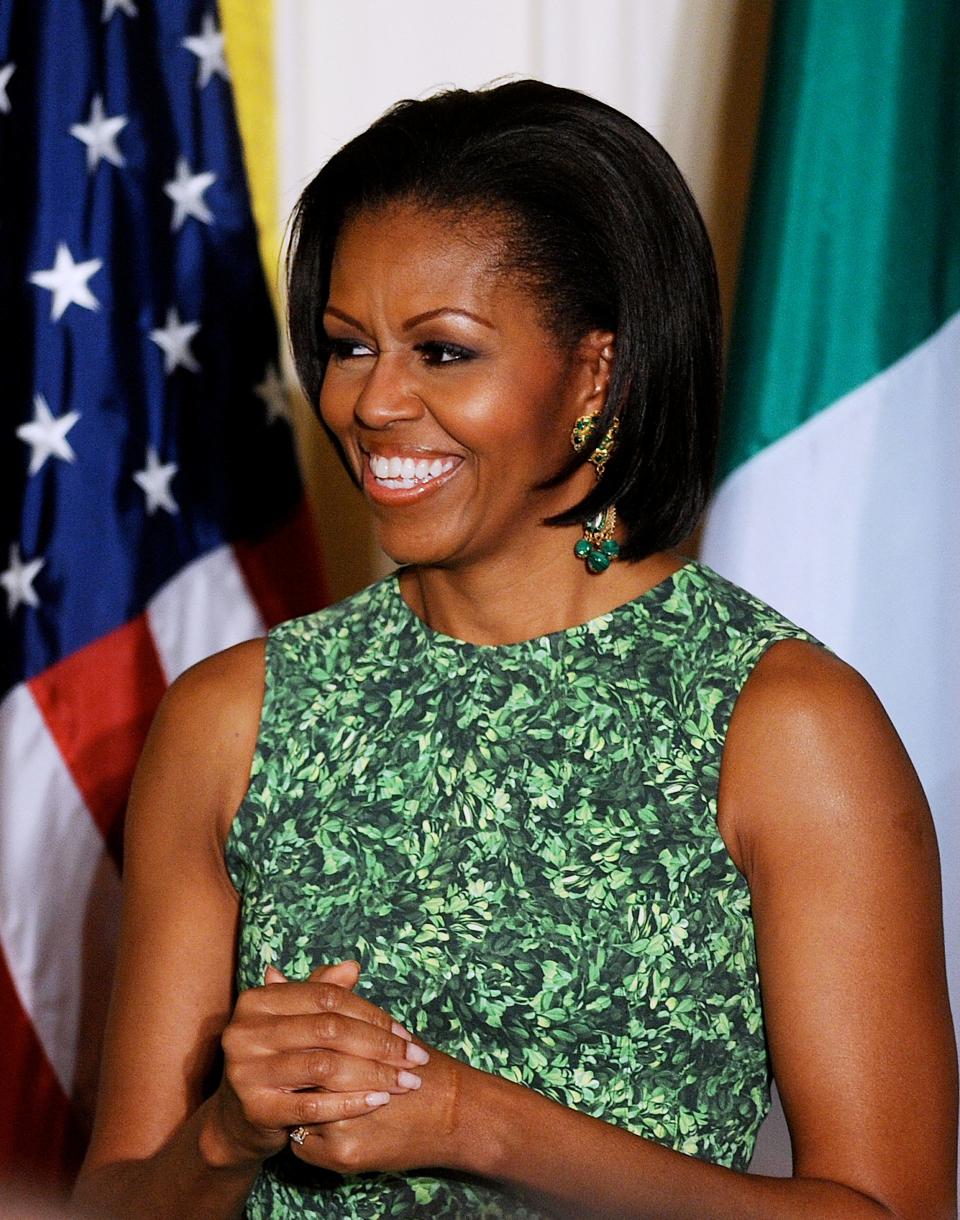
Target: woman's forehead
x=407 y=247
x=409 y=225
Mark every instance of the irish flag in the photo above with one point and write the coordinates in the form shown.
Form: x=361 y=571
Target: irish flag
x=839 y=492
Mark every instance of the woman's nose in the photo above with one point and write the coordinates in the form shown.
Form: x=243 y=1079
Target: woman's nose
x=388 y=393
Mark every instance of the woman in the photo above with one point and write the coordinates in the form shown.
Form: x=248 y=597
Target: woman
x=494 y=778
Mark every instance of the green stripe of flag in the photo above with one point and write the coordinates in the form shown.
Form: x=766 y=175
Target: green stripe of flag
x=852 y=251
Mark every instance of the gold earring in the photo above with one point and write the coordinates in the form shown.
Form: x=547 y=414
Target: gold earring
x=582 y=431
x=597 y=547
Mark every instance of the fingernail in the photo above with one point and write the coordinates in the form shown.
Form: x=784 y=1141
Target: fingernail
x=408 y=1080
x=377 y=1099
x=416 y=1054
x=397 y=1028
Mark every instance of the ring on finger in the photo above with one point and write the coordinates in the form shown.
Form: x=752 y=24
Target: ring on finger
x=298 y=1135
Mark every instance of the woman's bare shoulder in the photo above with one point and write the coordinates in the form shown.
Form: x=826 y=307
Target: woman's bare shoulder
x=801 y=676
x=228 y=683
x=810 y=740
x=201 y=744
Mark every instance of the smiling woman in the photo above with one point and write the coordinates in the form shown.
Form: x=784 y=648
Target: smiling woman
x=574 y=216
x=474 y=389
x=609 y=838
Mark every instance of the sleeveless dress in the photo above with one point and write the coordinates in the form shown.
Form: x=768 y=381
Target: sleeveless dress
x=519 y=844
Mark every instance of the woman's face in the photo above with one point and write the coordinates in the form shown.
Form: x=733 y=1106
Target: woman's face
x=451 y=400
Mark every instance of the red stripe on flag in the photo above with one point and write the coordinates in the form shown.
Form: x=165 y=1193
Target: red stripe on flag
x=41 y=1142
x=284 y=572
x=98 y=704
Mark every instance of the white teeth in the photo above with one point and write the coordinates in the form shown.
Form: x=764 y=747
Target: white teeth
x=404 y=473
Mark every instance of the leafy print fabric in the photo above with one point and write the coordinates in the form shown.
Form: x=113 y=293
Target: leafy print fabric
x=519 y=843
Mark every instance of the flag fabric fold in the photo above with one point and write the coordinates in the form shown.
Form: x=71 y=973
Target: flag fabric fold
x=150 y=504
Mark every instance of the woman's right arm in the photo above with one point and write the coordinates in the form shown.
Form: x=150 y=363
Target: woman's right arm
x=161 y=1146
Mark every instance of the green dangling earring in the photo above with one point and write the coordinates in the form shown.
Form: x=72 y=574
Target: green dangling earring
x=597 y=546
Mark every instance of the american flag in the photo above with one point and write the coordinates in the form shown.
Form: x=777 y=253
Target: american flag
x=151 y=508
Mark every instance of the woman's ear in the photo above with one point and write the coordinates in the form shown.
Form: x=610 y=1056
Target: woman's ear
x=595 y=353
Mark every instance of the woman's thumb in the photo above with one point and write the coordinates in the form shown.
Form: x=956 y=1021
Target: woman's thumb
x=341 y=974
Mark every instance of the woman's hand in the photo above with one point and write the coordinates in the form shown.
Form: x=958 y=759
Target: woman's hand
x=427 y=1127
x=304 y=1053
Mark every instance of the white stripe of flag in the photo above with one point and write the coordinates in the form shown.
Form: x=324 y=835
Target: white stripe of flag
x=59 y=890
x=205 y=608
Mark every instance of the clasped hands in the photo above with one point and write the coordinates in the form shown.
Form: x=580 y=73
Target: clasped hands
x=314 y=1055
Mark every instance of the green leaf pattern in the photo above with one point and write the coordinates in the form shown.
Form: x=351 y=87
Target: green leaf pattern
x=519 y=843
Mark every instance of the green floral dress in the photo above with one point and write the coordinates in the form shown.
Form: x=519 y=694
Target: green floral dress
x=520 y=845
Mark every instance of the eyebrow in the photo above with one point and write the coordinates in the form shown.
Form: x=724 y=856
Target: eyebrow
x=417 y=319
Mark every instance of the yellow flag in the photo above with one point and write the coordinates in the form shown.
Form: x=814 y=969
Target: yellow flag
x=248 y=34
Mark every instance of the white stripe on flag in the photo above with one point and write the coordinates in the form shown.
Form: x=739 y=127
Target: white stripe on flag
x=851 y=526
x=206 y=607
x=59 y=890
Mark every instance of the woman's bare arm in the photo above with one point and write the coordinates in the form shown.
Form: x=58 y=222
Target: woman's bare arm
x=159 y=1148
x=173 y=988
x=845 y=883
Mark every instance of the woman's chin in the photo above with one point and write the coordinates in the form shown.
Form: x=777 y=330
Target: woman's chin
x=407 y=553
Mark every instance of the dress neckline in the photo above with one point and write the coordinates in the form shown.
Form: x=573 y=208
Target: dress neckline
x=593 y=626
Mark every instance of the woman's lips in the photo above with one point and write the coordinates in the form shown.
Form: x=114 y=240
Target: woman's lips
x=399 y=479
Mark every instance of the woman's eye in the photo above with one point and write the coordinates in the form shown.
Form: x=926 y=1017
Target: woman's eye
x=347 y=349
x=443 y=353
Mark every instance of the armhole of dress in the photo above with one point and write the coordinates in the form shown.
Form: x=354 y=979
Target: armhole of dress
x=236 y=846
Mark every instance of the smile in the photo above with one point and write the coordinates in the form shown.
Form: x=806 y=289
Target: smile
x=402 y=474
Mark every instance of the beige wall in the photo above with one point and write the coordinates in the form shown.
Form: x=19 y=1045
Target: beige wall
x=689 y=70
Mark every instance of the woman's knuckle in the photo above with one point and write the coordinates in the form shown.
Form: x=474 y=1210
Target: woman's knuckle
x=229 y=1038
x=350 y=1107
x=348 y=1154
x=233 y=1074
x=319 y=1066
x=329 y=1026
x=250 y=1108
x=328 y=999
x=316 y=1108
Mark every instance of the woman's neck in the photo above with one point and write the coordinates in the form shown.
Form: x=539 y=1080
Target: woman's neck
x=506 y=602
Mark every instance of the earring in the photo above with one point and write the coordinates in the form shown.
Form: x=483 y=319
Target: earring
x=597 y=546
x=583 y=430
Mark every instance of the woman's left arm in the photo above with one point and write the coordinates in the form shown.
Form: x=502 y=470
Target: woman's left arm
x=823 y=813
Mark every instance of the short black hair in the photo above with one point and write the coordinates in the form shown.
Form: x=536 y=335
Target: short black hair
x=601 y=225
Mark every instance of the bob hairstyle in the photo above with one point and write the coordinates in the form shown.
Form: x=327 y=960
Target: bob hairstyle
x=597 y=221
